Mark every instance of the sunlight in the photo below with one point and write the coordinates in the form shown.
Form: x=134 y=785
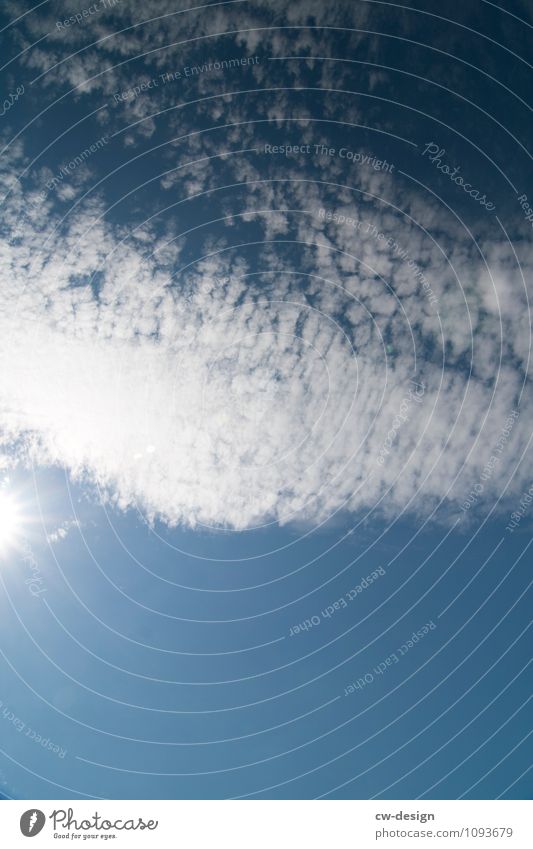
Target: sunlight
x=9 y=520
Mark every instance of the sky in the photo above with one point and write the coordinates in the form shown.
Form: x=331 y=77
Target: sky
x=266 y=495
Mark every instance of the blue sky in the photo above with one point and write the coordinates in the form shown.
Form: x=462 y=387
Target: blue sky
x=265 y=404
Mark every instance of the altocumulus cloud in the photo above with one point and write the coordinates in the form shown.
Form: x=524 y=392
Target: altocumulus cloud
x=202 y=397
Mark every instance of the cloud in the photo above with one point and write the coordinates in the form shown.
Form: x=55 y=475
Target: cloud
x=62 y=531
x=204 y=394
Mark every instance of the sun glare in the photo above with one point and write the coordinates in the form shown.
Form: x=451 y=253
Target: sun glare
x=9 y=520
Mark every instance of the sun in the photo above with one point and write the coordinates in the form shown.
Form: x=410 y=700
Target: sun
x=9 y=520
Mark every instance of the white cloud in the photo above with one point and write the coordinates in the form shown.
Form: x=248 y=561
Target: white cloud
x=219 y=398
x=62 y=531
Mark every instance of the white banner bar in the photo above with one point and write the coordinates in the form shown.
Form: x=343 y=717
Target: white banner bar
x=268 y=824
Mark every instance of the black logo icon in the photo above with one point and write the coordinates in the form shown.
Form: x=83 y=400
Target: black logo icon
x=32 y=822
